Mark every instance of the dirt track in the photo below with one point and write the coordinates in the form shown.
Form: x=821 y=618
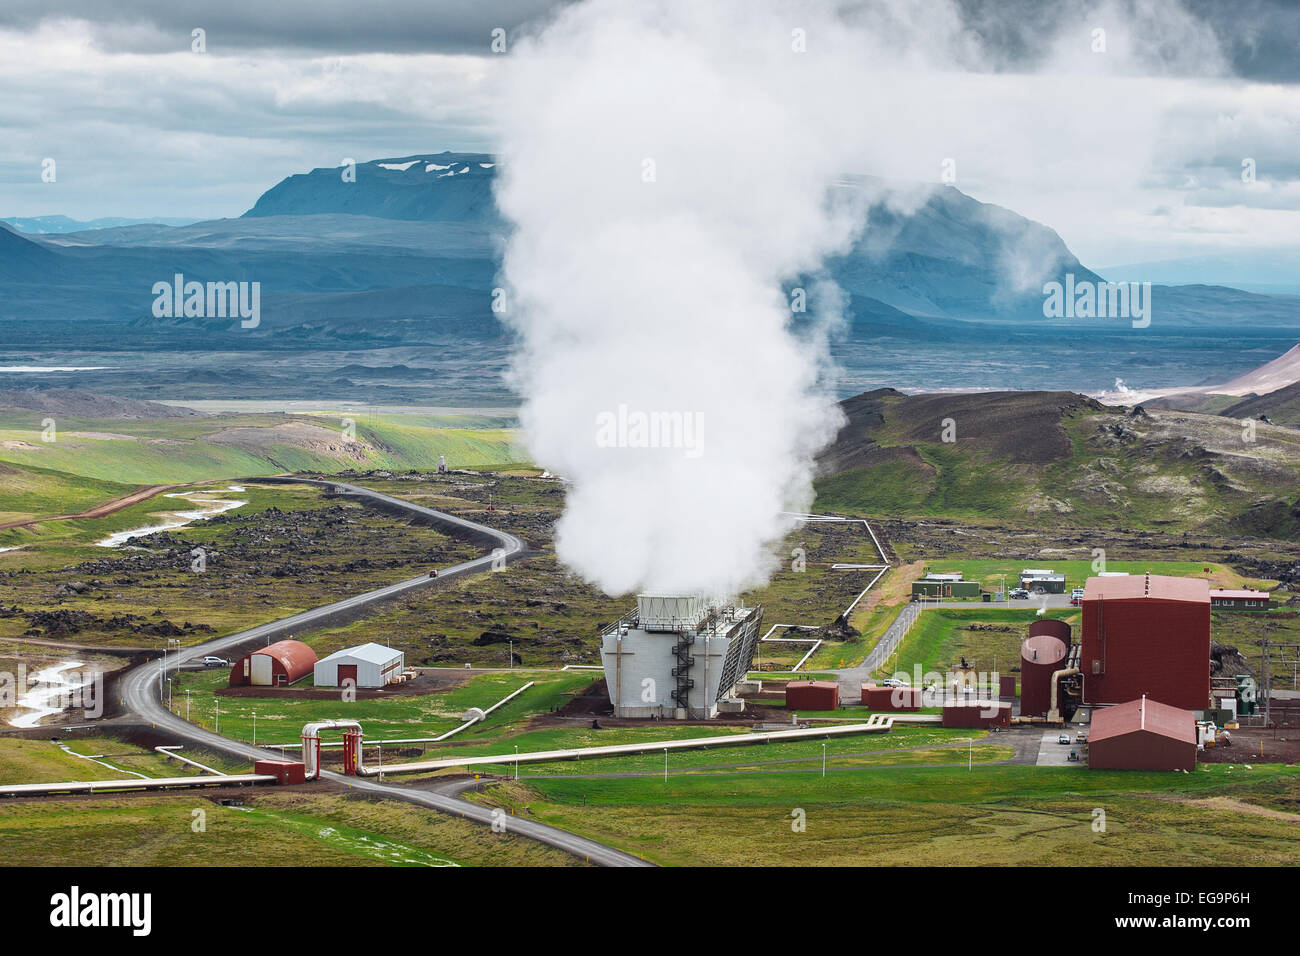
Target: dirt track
x=100 y=511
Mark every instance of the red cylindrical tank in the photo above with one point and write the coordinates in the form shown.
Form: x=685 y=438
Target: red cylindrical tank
x=1046 y=625
x=1040 y=656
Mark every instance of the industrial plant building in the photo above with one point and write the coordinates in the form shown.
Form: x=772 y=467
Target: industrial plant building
x=1142 y=734
x=945 y=585
x=1222 y=599
x=1146 y=635
x=276 y=665
x=1042 y=581
x=370 y=665
x=678 y=657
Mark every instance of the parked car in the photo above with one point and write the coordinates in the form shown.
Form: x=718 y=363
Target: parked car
x=1063 y=739
x=1081 y=738
x=433 y=574
x=1018 y=594
x=893 y=682
x=1076 y=596
x=211 y=661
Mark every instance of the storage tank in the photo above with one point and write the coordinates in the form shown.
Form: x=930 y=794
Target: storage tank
x=1057 y=629
x=1040 y=656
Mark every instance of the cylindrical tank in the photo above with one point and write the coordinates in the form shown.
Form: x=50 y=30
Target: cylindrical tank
x=1057 y=629
x=1040 y=656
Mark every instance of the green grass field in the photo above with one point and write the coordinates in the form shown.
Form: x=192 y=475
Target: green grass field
x=273 y=828
x=940 y=816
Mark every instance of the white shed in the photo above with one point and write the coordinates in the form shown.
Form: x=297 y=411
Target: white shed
x=370 y=665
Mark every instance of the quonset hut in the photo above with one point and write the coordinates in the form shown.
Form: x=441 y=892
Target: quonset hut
x=678 y=657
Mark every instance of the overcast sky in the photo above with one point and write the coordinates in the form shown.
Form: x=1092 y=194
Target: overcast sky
x=1132 y=153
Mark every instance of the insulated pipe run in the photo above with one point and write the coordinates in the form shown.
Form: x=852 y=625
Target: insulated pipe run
x=311 y=744
x=1054 y=710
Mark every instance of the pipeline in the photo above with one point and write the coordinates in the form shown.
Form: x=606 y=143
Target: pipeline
x=311 y=745
x=1054 y=710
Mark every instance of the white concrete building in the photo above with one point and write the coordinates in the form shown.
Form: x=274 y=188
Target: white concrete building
x=675 y=656
x=370 y=665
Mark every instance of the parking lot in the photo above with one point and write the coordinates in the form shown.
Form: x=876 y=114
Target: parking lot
x=1051 y=753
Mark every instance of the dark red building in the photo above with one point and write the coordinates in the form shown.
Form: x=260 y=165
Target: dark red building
x=812 y=695
x=1146 y=634
x=1142 y=735
x=977 y=714
x=1223 y=599
x=891 y=699
x=284 y=771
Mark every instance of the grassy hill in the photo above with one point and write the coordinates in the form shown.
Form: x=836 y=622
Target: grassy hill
x=1060 y=459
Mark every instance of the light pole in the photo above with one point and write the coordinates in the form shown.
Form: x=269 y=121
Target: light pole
x=970 y=753
x=665 y=765
x=169 y=693
x=516 y=761
x=187 y=703
x=217 y=705
x=823 y=761
x=255 y=729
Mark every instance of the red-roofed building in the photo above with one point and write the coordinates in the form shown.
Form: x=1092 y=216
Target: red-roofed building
x=1142 y=734
x=1223 y=599
x=275 y=665
x=1146 y=634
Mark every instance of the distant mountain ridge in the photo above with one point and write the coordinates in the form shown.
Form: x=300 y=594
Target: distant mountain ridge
x=442 y=187
x=399 y=266
x=57 y=225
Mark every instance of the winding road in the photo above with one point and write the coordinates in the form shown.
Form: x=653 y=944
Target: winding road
x=140 y=686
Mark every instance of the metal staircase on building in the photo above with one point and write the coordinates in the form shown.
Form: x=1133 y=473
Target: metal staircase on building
x=682 y=651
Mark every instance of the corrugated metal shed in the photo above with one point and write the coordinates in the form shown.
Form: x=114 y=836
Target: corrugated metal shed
x=370 y=665
x=891 y=699
x=977 y=714
x=1142 y=734
x=284 y=662
x=812 y=695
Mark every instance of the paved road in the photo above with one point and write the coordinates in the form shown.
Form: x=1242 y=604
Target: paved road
x=140 y=686
x=851 y=679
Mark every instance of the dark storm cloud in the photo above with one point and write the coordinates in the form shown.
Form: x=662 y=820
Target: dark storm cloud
x=1259 y=39
x=316 y=26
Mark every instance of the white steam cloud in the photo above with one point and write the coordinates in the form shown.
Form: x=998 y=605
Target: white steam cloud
x=667 y=166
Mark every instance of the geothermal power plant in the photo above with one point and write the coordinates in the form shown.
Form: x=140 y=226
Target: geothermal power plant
x=679 y=657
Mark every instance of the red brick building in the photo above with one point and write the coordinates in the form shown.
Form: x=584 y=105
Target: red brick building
x=1146 y=634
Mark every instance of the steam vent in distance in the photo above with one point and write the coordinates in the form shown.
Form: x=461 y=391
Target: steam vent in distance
x=679 y=657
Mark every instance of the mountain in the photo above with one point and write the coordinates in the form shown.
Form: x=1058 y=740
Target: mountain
x=402 y=262
x=446 y=187
x=53 y=225
x=1268 y=271
x=78 y=404
x=1059 y=459
x=1281 y=407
